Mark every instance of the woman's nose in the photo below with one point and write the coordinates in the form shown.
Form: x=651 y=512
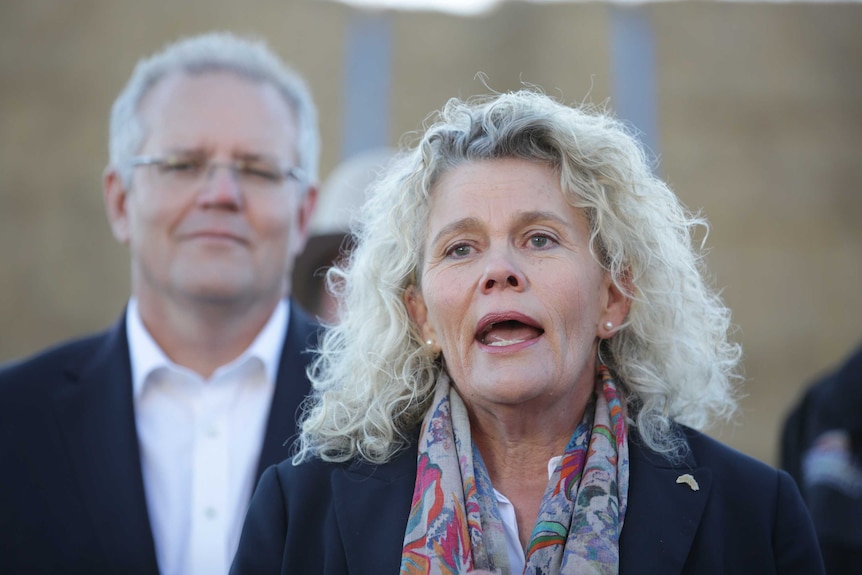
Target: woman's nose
x=502 y=272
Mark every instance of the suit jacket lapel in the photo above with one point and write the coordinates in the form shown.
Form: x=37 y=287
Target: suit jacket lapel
x=291 y=388
x=663 y=515
x=386 y=494
x=95 y=412
x=664 y=511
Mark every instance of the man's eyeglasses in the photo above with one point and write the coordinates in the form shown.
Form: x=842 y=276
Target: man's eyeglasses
x=251 y=174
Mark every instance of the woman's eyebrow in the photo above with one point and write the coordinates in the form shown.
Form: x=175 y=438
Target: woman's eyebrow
x=458 y=226
x=523 y=219
x=533 y=217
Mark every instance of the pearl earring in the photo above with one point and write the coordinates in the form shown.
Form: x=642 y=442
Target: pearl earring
x=429 y=342
x=609 y=325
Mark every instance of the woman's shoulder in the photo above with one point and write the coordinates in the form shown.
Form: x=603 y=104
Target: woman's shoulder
x=698 y=449
x=296 y=479
x=739 y=477
x=727 y=466
x=748 y=516
x=315 y=472
x=708 y=451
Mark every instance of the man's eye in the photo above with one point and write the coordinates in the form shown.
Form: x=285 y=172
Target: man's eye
x=261 y=172
x=181 y=166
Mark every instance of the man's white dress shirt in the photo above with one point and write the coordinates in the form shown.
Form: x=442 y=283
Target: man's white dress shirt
x=200 y=442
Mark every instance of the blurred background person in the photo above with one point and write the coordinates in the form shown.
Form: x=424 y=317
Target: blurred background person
x=136 y=450
x=821 y=447
x=329 y=239
x=526 y=336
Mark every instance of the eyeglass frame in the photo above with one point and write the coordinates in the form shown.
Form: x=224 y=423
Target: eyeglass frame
x=234 y=166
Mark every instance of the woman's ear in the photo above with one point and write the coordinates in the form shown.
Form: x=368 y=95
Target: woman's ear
x=418 y=312
x=616 y=308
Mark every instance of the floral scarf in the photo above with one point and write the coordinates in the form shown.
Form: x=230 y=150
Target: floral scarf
x=455 y=527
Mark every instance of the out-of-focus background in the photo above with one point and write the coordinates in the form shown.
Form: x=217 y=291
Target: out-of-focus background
x=757 y=111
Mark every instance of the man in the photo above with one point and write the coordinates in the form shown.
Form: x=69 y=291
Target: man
x=821 y=447
x=137 y=450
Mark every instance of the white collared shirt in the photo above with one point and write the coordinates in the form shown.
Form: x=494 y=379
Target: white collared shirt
x=200 y=442
x=517 y=559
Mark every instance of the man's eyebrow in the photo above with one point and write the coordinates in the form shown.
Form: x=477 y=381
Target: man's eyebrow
x=186 y=151
x=255 y=157
x=203 y=152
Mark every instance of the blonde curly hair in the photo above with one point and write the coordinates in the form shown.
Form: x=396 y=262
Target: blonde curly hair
x=373 y=378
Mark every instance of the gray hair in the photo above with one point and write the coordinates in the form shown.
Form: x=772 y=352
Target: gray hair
x=373 y=379
x=216 y=51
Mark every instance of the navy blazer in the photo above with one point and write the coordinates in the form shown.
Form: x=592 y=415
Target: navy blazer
x=746 y=517
x=71 y=487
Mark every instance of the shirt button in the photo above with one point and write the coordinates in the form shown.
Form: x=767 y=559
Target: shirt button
x=210 y=513
x=211 y=431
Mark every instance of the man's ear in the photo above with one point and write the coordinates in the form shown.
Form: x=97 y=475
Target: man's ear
x=305 y=211
x=116 y=197
x=418 y=312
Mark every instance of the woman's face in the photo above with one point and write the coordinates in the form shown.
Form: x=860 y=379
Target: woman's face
x=510 y=292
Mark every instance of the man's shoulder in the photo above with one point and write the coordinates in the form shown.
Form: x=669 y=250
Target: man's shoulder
x=838 y=388
x=301 y=340
x=30 y=374
x=302 y=328
x=831 y=402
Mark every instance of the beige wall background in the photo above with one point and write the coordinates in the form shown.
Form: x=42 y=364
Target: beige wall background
x=760 y=126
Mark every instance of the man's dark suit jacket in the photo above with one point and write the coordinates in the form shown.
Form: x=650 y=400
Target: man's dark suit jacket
x=745 y=518
x=834 y=497
x=71 y=487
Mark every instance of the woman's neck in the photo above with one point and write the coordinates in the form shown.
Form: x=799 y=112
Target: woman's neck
x=517 y=466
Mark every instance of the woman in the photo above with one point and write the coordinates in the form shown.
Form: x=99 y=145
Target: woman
x=526 y=333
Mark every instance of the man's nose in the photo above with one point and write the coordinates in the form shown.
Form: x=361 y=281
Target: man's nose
x=221 y=186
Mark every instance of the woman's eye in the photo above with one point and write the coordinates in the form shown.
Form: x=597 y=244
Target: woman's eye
x=540 y=241
x=459 y=251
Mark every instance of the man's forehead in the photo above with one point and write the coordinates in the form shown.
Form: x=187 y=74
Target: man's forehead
x=208 y=81
x=215 y=106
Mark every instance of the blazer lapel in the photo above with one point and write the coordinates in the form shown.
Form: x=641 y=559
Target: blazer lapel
x=384 y=493
x=665 y=505
x=96 y=416
x=664 y=511
x=291 y=388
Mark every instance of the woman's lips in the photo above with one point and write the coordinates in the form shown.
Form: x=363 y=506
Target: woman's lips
x=505 y=329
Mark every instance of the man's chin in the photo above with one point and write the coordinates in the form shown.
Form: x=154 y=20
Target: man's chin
x=224 y=287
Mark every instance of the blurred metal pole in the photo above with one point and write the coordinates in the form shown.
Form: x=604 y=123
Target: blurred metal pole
x=633 y=84
x=365 y=100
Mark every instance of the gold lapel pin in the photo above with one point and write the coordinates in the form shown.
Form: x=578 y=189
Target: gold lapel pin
x=688 y=480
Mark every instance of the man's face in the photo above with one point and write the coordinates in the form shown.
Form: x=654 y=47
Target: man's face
x=220 y=237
